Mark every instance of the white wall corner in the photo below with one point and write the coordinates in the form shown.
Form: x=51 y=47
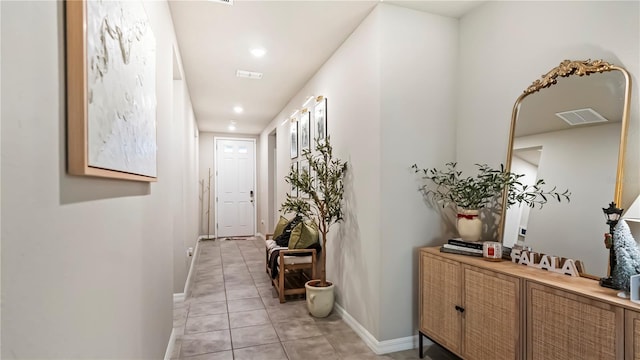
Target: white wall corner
x=187 y=284
x=379 y=347
x=261 y=236
x=170 y=345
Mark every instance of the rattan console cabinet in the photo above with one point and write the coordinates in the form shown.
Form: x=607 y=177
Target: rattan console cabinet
x=483 y=310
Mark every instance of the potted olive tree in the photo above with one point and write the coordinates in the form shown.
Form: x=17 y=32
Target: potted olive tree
x=447 y=187
x=321 y=192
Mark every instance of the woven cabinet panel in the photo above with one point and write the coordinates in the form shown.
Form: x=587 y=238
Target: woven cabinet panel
x=441 y=293
x=491 y=317
x=566 y=326
x=632 y=321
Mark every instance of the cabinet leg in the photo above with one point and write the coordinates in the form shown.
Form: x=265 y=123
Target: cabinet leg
x=420 y=344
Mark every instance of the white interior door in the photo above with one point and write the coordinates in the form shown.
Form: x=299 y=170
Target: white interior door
x=235 y=190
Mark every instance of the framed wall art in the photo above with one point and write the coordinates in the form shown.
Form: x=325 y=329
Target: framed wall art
x=320 y=118
x=111 y=90
x=293 y=137
x=305 y=130
x=304 y=166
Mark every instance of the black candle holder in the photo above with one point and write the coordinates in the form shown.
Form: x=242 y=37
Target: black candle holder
x=612 y=215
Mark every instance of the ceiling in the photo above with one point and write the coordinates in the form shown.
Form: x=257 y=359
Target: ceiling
x=215 y=40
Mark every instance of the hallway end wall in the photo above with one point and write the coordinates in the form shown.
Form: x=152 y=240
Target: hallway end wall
x=207 y=162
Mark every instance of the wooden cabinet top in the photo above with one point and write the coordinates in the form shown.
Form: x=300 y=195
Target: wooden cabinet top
x=583 y=286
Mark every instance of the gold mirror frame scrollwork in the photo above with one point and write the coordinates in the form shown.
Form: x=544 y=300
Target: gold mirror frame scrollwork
x=565 y=69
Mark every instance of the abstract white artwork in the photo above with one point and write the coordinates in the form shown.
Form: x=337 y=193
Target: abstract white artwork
x=121 y=88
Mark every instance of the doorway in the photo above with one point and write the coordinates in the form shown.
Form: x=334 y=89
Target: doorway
x=235 y=187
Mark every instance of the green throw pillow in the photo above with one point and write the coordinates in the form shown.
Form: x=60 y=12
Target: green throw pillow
x=303 y=235
x=282 y=223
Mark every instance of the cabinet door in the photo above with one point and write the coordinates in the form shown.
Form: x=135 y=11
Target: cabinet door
x=562 y=325
x=632 y=335
x=491 y=318
x=440 y=294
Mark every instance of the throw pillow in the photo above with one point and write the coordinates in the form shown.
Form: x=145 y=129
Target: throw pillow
x=282 y=223
x=283 y=239
x=304 y=235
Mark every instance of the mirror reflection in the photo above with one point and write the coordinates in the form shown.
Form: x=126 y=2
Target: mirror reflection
x=569 y=134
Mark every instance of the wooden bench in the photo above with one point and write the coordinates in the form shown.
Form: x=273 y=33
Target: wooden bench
x=293 y=270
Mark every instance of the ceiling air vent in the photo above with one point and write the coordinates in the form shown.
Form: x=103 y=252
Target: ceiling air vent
x=249 y=74
x=581 y=117
x=226 y=2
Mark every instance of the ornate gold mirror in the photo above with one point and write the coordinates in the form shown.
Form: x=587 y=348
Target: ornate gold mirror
x=569 y=128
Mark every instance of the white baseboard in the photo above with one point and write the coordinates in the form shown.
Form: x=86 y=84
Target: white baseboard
x=261 y=236
x=206 y=237
x=187 y=283
x=178 y=297
x=379 y=347
x=170 y=345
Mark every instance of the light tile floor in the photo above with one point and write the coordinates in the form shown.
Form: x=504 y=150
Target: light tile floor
x=233 y=312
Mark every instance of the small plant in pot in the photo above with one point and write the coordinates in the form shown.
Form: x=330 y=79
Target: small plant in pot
x=321 y=192
x=447 y=187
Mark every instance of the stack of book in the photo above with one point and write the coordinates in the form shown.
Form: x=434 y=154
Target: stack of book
x=459 y=246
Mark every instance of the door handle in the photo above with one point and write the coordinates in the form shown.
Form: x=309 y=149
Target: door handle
x=251 y=195
x=459 y=308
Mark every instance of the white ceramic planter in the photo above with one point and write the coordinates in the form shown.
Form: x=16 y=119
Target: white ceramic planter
x=319 y=299
x=469 y=225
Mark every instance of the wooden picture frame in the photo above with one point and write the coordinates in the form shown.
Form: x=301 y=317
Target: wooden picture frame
x=320 y=118
x=305 y=130
x=293 y=137
x=304 y=166
x=111 y=91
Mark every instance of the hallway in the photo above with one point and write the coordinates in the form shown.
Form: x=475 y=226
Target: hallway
x=233 y=313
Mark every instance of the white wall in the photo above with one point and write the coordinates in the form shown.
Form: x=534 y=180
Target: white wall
x=506 y=45
x=387 y=108
x=206 y=161
x=87 y=264
x=418 y=68
x=185 y=183
x=350 y=80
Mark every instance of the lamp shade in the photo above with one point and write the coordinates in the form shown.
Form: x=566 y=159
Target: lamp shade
x=633 y=212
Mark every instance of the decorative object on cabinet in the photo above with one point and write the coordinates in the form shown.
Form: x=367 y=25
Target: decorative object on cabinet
x=612 y=215
x=293 y=137
x=326 y=210
x=320 y=118
x=634 y=287
x=498 y=311
x=469 y=194
x=111 y=90
x=492 y=251
x=627 y=258
x=461 y=247
x=546 y=262
x=584 y=155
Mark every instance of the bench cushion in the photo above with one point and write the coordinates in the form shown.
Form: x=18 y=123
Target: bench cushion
x=288 y=260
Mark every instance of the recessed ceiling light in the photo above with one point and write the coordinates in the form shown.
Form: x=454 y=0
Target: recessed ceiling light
x=238 y=109
x=232 y=126
x=249 y=74
x=258 y=52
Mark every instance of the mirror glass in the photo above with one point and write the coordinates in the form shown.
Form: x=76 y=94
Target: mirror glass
x=569 y=135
